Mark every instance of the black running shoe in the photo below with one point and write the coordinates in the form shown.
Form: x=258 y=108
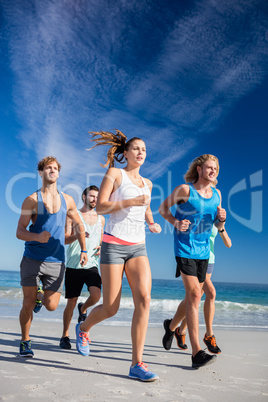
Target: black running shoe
x=180 y=340
x=82 y=316
x=65 y=343
x=211 y=343
x=202 y=359
x=169 y=335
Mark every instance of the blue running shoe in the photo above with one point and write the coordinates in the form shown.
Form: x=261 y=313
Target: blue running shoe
x=38 y=303
x=140 y=372
x=26 y=349
x=82 y=341
x=38 y=306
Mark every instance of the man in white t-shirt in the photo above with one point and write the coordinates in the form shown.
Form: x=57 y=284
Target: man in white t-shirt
x=75 y=275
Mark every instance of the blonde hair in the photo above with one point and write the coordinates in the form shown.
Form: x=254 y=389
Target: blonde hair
x=191 y=176
x=118 y=142
x=45 y=161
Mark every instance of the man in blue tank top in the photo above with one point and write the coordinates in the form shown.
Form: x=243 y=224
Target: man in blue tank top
x=198 y=208
x=75 y=276
x=43 y=258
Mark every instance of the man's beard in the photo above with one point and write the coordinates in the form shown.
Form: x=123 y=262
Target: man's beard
x=90 y=205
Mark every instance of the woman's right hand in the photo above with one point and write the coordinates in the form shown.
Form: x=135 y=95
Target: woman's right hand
x=140 y=201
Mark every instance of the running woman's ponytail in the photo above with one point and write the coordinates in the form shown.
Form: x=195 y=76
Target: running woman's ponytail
x=118 y=142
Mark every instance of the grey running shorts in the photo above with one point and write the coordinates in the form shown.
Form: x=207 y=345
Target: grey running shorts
x=192 y=267
x=51 y=274
x=120 y=254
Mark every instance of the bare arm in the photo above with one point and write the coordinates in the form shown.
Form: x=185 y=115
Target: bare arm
x=221 y=215
x=102 y=226
x=226 y=239
x=70 y=236
x=29 y=208
x=110 y=183
x=78 y=227
x=153 y=227
x=180 y=193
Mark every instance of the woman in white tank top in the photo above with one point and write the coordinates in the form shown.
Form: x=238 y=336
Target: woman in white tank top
x=125 y=195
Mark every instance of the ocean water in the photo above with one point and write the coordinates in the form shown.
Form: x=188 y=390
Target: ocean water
x=241 y=306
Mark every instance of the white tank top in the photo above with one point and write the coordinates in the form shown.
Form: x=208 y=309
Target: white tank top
x=128 y=224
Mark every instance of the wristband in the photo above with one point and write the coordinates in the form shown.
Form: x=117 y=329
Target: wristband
x=151 y=223
x=222 y=221
x=83 y=251
x=220 y=231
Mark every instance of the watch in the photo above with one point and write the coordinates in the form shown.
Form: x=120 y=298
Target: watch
x=220 y=231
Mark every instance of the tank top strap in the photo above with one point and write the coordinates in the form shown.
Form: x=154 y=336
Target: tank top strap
x=41 y=209
x=91 y=228
x=144 y=181
x=192 y=189
x=125 y=178
x=63 y=202
x=39 y=196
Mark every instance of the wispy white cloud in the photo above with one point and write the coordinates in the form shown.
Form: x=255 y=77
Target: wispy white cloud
x=78 y=68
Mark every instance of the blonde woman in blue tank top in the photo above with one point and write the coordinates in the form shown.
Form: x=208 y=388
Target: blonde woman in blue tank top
x=125 y=195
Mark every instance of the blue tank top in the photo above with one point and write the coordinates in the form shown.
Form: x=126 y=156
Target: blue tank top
x=202 y=212
x=53 y=250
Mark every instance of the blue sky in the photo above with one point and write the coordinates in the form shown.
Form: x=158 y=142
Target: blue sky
x=189 y=77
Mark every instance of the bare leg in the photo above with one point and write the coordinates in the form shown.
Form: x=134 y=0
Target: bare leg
x=209 y=305
x=51 y=299
x=179 y=315
x=138 y=273
x=111 y=276
x=68 y=314
x=183 y=325
x=94 y=297
x=193 y=297
x=26 y=313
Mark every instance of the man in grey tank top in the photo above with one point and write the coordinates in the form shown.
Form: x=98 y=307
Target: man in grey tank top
x=75 y=275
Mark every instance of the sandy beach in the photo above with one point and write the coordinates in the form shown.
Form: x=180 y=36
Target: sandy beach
x=240 y=373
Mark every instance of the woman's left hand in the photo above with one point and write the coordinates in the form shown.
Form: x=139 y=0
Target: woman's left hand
x=155 y=228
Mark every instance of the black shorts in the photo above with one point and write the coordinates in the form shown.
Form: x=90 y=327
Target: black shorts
x=76 y=278
x=192 y=267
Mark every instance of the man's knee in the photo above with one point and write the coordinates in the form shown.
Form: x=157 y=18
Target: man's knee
x=51 y=303
x=95 y=294
x=28 y=303
x=71 y=303
x=210 y=290
x=211 y=293
x=193 y=295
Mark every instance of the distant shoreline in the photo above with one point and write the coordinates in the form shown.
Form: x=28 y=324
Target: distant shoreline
x=172 y=280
